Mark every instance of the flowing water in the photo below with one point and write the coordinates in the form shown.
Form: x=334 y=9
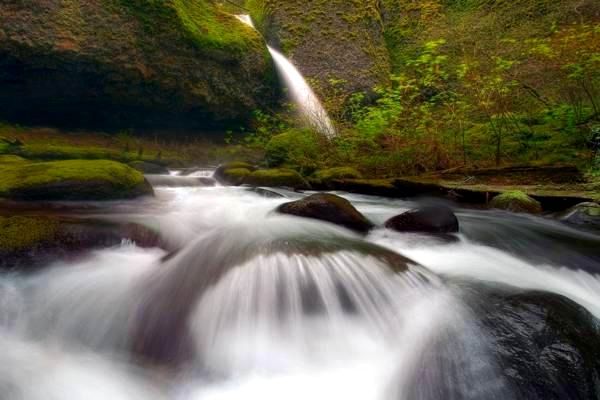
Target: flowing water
x=257 y=305
x=304 y=98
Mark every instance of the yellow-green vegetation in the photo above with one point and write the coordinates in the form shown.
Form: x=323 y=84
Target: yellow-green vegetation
x=70 y=180
x=11 y=159
x=326 y=176
x=516 y=201
x=204 y=24
x=236 y=176
x=474 y=83
x=20 y=233
x=275 y=178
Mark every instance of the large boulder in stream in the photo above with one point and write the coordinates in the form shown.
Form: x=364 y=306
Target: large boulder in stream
x=329 y=208
x=510 y=344
x=516 y=201
x=130 y=63
x=71 y=180
x=547 y=345
x=428 y=219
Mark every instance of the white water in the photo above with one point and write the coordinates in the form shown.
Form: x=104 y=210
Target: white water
x=304 y=98
x=272 y=326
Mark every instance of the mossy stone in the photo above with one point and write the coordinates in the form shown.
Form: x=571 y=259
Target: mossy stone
x=516 y=201
x=71 y=180
x=21 y=233
x=331 y=174
x=276 y=178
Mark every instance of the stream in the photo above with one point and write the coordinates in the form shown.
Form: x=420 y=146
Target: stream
x=256 y=305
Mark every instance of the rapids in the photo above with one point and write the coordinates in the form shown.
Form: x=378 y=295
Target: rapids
x=256 y=305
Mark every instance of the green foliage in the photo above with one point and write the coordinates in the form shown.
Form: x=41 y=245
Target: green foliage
x=295 y=147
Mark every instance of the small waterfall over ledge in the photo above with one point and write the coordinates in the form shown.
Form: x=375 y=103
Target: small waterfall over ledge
x=309 y=106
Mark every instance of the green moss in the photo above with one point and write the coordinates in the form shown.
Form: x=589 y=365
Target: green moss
x=23 y=233
x=326 y=175
x=200 y=21
x=275 y=178
x=516 y=201
x=73 y=180
x=236 y=176
x=11 y=159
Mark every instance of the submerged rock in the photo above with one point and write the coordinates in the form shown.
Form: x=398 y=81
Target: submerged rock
x=178 y=181
x=129 y=63
x=29 y=241
x=584 y=214
x=71 y=180
x=276 y=178
x=329 y=208
x=149 y=167
x=516 y=201
x=430 y=219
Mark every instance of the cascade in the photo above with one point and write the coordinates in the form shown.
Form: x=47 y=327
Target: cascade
x=308 y=104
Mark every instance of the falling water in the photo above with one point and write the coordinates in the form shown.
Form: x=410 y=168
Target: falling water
x=309 y=105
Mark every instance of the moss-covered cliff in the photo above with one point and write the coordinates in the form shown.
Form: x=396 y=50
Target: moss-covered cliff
x=127 y=63
x=339 y=41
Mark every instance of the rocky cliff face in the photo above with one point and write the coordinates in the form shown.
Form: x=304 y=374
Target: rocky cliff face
x=129 y=63
x=339 y=40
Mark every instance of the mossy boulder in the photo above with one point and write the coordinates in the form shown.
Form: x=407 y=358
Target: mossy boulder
x=429 y=219
x=516 y=201
x=326 y=177
x=338 y=44
x=130 y=63
x=276 y=178
x=330 y=208
x=233 y=173
x=71 y=180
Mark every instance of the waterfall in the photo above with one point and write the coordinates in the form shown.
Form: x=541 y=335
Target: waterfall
x=308 y=104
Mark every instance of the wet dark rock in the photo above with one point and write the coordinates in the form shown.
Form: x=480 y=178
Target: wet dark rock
x=429 y=219
x=547 y=346
x=584 y=215
x=329 y=208
x=266 y=192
